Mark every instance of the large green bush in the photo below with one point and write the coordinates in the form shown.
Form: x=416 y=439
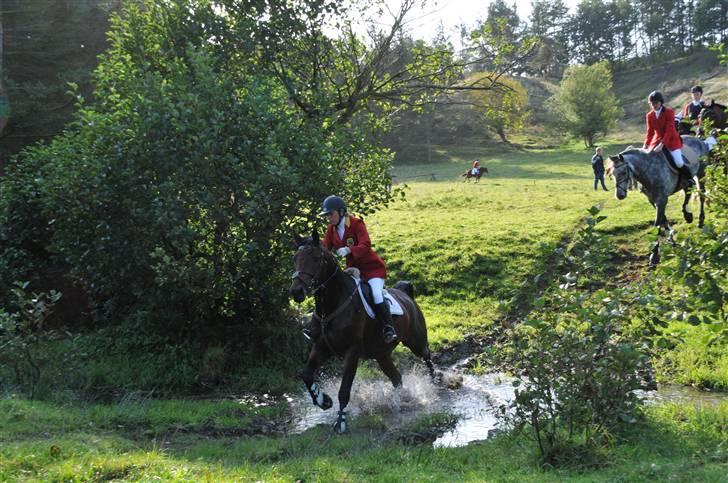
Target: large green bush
x=171 y=198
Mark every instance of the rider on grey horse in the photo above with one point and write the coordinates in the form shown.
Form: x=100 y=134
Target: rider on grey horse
x=661 y=133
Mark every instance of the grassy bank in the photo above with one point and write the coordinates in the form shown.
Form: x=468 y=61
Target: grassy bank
x=221 y=441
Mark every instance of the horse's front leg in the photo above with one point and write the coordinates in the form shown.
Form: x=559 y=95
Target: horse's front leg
x=351 y=363
x=660 y=221
x=319 y=398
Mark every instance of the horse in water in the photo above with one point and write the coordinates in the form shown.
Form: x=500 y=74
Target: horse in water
x=341 y=326
x=659 y=180
x=468 y=175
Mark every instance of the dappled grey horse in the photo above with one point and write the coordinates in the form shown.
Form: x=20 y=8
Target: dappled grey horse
x=659 y=180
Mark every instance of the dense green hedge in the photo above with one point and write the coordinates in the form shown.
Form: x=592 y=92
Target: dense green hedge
x=172 y=198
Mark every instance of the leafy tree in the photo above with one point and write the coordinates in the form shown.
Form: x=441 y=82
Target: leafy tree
x=172 y=197
x=549 y=24
x=584 y=103
x=505 y=108
x=215 y=130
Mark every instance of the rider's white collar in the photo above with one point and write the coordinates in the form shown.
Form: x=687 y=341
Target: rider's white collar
x=696 y=103
x=658 y=112
x=340 y=227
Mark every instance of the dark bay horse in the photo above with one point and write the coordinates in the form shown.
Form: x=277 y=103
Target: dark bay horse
x=468 y=175
x=341 y=326
x=659 y=180
x=716 y=114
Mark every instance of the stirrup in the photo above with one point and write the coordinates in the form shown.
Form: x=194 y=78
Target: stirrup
x=389 y=334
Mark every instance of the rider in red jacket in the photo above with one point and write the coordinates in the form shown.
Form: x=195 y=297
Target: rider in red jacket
x=661 y=132
x=347 y=236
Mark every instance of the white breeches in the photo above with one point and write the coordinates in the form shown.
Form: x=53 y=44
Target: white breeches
x=377 y=285
x=677 y=157
x=474 y=171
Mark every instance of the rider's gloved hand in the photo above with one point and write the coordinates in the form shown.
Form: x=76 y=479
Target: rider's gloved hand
x=343 y=251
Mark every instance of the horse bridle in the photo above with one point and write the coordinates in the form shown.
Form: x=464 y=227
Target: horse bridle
x=628 y=178
x=313 y=278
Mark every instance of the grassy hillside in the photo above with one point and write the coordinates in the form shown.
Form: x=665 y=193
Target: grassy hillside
x=469 y=246
x=674 y=78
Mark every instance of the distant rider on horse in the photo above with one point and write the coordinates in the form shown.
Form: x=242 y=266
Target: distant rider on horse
x=691 y=111
x=476 y=168
x=661 y=133
x=347 y=236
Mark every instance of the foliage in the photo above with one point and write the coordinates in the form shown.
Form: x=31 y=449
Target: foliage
x=171 y=199
x=24 y=357
x=584 y=103
x=576 y=367
x=504 y=108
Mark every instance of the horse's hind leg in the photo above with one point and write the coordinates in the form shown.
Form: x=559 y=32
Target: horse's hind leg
x=686 y=207
x=701 y=217
x=389 y=369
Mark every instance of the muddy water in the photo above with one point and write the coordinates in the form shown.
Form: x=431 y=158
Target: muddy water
x=475 y=401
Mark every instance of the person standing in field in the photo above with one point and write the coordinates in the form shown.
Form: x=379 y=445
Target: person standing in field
x=597 y=162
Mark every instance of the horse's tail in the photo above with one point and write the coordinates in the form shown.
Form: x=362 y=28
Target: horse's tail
x=406 y=287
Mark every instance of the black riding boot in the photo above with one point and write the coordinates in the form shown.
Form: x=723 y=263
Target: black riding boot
x=385 y=317
x=686 y=175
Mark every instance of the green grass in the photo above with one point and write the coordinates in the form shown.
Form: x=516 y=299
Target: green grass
x=466 y=246
x=43 y=442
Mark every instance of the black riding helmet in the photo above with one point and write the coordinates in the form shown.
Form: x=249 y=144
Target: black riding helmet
x=656 y=96
x=333 y=203
x=697 y=89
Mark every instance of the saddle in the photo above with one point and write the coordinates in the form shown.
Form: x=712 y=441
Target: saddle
x=365 y=292
x=688 y=157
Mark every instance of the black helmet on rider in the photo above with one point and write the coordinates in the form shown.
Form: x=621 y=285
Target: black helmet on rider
x=656 y=96
x=333 y=203
x=696 y=89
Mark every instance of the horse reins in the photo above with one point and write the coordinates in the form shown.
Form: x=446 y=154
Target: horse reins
x=327 y=318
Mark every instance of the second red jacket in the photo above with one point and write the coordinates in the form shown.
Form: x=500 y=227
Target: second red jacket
x=662 y=129
x=357 y=239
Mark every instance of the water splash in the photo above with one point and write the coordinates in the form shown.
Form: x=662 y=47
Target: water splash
x=476 y=401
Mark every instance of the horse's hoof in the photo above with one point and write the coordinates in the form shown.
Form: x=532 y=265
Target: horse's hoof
x=341 y=426
x=327 y=402
x=688 y=217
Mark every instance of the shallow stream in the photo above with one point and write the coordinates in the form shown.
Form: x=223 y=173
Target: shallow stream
x=475 y=399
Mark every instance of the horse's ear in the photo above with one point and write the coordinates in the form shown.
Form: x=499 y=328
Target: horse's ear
x=315 y=237
x=297 y=241
x=621 y=157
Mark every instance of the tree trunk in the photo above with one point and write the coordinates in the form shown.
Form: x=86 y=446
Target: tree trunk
x=502 y=134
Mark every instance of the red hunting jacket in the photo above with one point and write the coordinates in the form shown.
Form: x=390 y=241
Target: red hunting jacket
x=357 y=239
x=662 y=129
